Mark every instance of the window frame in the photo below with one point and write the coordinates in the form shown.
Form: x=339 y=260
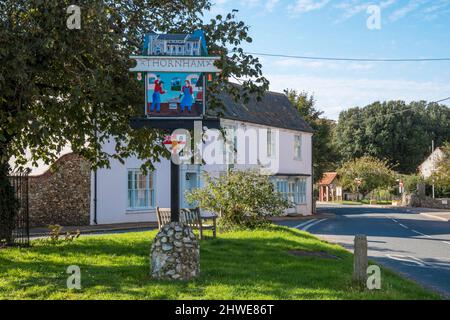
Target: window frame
x=271 y=144
x=150 y=190
x=298 y=147
x=293 y=190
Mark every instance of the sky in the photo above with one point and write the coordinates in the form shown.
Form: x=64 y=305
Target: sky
x=350 y=29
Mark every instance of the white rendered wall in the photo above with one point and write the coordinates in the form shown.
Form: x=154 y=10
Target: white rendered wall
x=112 y=183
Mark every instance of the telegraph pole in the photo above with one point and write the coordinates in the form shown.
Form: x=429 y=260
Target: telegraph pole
x=433 y=168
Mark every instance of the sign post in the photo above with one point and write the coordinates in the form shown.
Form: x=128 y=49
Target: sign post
x=175 y=69
x=174 y=192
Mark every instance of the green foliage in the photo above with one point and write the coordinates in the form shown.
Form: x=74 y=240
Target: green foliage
x=62 y=87
x=393 y=130
x=242 y=199
x=411 y=181
x=372 y=172
x=55 y=235
x=325 y=155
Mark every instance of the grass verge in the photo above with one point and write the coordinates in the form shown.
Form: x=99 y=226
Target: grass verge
x=236 y=265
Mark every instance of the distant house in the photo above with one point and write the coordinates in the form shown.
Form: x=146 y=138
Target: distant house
x=329 y=188
x=427 y=167
x=175 y=44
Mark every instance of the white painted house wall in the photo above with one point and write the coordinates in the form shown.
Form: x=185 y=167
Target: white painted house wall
x=112 y=188
x=430 y=165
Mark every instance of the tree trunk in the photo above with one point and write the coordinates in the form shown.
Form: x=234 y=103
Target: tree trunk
x=8 y=203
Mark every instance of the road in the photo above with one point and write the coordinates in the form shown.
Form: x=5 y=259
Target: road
x=411 y=244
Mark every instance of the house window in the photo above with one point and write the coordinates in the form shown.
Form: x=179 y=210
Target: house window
x=270 y=143
x=298 y=147
x=292 y=190
x=141 y=192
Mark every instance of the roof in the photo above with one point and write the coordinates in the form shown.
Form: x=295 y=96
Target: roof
x=274 y=110
x=173 y=36
x=328 y=178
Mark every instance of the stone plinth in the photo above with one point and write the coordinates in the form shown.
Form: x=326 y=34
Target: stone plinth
x=175 y=253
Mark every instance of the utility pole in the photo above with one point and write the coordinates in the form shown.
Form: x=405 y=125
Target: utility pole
x=433 y=168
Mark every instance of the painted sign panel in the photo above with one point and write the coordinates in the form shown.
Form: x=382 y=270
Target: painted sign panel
x=175 y=64
x=175 y=69
x=174 y=94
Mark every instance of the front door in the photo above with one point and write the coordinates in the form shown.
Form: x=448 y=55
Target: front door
x=191 y=182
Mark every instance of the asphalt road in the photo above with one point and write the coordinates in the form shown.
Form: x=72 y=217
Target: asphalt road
x=411 y=244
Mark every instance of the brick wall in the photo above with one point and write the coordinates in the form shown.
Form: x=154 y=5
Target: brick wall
x=61 y=195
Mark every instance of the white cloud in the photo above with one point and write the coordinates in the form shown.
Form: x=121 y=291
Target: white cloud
x=405 y=10
x=354 y=7
x=336 y=94
x=321 y=64
x=302 y=6
x=270 y=4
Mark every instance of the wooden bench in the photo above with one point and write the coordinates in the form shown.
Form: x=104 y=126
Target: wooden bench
x=163 y=216
x=193 y=219
x=190 y=217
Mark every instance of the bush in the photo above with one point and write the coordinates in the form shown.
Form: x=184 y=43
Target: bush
x=241 y=199
x=410 y=182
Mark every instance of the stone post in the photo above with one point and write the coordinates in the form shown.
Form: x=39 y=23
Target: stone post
x=360 y=259
x=175 y=253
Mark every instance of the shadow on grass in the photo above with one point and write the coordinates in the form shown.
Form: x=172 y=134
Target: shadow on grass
x=239 y=265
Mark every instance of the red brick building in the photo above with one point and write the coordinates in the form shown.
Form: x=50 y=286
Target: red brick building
x=329 y=188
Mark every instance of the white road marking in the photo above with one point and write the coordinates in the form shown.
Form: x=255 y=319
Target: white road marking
x=404 y=259
x=446 y=242
x=422 y=234
x=403 y=226
x=416 y=262
x=312 y=224
x=434 y=217
x=304 y=223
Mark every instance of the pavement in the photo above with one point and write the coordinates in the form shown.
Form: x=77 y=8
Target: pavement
x=95 y=229
x=443 y=215
x=413 y=242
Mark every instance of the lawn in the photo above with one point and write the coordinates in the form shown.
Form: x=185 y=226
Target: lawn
x=237 y=265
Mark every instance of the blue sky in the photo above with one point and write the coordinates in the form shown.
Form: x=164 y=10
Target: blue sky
x=338 y=28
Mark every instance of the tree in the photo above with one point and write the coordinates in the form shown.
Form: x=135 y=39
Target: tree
x=324 y=154
x=61 y=86
x=242 y=199
x=370 y=172
x=393 y=130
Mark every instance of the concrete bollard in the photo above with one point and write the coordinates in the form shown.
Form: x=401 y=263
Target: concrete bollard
x=360 y=259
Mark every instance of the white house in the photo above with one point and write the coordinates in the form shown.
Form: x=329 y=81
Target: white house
x=175 y=44
x=123 y=194
x=430 y=164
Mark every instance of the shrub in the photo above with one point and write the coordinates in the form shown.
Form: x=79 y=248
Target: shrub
x=241 y=199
